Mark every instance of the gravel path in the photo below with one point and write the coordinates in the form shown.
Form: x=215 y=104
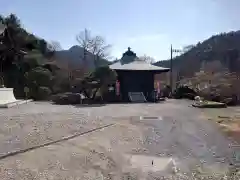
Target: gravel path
x=178 y=141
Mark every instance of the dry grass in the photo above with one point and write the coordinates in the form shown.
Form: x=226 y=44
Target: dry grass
x=228 y=120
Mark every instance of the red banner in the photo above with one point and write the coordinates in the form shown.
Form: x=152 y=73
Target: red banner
x=158 y=86
x=117 y=88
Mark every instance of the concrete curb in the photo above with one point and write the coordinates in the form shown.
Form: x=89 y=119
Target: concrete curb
x=17 y=102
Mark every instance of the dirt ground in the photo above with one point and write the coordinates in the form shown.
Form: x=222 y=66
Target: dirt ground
x=117 y=141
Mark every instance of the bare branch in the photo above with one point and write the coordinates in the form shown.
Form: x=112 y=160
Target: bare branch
x=84 y=39
x=95 y=45
x=146 y=58
x=99 y=48
x=54 y=46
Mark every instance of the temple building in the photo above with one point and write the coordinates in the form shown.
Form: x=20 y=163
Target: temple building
x=136 y=77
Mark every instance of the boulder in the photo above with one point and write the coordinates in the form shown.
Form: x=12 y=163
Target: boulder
x=197 y=98
x=209 y=104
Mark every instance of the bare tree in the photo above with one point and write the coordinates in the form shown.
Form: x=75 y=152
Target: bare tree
x=146 y=58
x=54 y=46
x=99 y=49
x=95 y=45
x=84 y=39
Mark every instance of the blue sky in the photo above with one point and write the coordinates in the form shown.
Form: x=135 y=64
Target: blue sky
x=147 y=26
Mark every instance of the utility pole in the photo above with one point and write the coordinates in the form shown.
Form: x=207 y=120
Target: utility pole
x=171 y=65
x=171 y=70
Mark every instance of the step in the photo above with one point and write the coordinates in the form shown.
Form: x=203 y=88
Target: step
x=136 y=97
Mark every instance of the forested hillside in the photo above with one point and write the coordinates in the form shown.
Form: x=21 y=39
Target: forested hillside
x=224 y=47
x=24 y=59
x=29 y=62
x=74 y=57
x=212 y=68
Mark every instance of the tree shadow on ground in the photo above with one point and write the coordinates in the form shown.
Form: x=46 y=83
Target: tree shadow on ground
x=78 y=105
x=88 y=105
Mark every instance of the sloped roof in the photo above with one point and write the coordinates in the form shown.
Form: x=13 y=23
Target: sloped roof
x=137 y=65
x=131 y=62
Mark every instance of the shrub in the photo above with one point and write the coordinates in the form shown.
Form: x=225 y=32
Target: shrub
x=42 y=76
x=43 y=93
x=39 y=81
x=184 y=92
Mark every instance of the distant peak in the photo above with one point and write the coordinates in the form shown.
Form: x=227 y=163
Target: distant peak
x=75 y=47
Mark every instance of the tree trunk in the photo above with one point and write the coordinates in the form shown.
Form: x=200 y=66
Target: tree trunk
x=94 y=93
x=86 y=94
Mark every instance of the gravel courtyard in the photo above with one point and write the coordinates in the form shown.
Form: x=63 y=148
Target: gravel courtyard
x=117 y=141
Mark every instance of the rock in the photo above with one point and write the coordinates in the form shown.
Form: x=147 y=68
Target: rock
x=209 y=104
x=197 y=98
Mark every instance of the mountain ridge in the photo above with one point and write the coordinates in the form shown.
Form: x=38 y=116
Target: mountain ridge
x=224 y=47
x=74 y=56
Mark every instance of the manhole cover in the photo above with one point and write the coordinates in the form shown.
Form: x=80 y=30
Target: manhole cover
x=237 y=157
x=150 y=118
x=148 y=163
